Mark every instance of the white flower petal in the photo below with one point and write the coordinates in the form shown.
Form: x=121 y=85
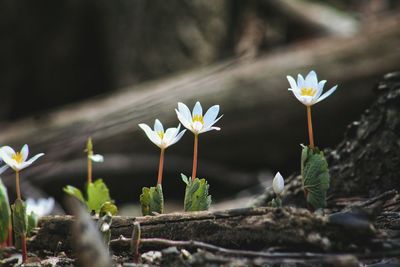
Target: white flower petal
x=278 y=184
x=197 y=110
x=21 y=166
x=292 y=83
x=7 y=158
x=300 y=81
x=8 y=150
x=320 y=89
x=312 y=79
x=25 y=152
x=155 y=138
x=211 y=114
x=197 y=126
x=169 y=135
x=210 y=129
x=326 y=94
x=297 y=95
x=307 y=100
x=187 y=124
x=178 y=137
x=158 y=127
x=34 y=158
x=185 y=111
x=97 y=158
x=205 y=129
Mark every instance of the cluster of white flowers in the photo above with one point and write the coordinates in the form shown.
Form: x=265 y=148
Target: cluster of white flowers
x=194 y=121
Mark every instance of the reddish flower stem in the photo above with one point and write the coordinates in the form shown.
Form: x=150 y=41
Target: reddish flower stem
x=161 y=166
x=195 y=151
x=17 y=183
x=310 y=128
x=23 y=247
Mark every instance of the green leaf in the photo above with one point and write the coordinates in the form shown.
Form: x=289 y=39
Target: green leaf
x=108 y=207
x=5 y=214
x=152 y=200
x=75 y=192
x=196 y=195
x=315 y=175
x=276 y=203
x=185 y=179
x=32 y=222
x=97 y=194
x=20 y=219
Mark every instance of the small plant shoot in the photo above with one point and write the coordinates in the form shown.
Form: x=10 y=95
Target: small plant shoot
x=97 y=192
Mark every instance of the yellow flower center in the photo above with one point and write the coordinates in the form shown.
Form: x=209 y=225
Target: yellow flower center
x=161 y=134
x=308 y=92
x=198 y=118
x=17 y=157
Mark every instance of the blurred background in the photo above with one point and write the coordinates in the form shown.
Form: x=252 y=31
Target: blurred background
x=71 y=69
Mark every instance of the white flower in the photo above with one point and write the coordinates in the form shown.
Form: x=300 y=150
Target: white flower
x=195 y=121
x=41 y=207
x=309 y=91
x=17 y=160
x=96 y=158
x=161 y=138
x=278 y=184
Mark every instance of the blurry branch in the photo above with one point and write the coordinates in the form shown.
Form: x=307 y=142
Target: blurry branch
x=192 y=244
x=118 y=165
x=304 y=18
x=317 y=17
x=250 y=94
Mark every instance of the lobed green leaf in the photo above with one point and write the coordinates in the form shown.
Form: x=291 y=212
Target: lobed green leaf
x=152 y=200
x=97 y=194
x=196 y=195
x=75 y=192
x=20 y=218
x=315 y=175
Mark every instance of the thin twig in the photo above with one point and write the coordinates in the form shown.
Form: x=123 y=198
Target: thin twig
x=123 y=241
x=370 y=201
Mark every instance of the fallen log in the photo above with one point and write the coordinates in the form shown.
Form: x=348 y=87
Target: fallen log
x=255 y=228
x=252 y=95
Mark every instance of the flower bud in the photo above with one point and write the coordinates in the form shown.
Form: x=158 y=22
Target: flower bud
x=278 y=184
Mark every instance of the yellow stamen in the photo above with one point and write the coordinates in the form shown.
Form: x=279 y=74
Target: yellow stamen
x=198 y=118
x=308 y=92
x=161 y=134
x=17 y=157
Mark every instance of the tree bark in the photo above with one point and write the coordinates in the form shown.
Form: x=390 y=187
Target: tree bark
x=255 y=228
